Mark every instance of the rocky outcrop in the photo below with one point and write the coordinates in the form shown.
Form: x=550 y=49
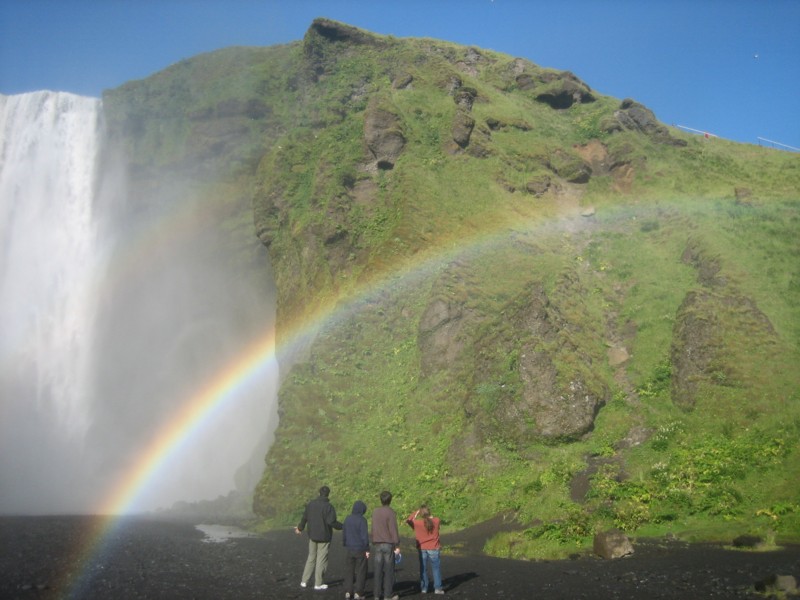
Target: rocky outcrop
x=557 y=89
x=463 y=124
x=561 y=403
x=557 y=401
x=335 y=31
x=471 y=61
x=402 y=81
x=707 y=266
x=538 y=186
x=702 y=324
x=698 y=352
x=383 y=135
x=326 y=40
x=555 y=411
x=268 y=217
x=570 y=167
x=441 y=328
x=564 y=91
x=633 y=116
x=464 y=97
x=695 y=343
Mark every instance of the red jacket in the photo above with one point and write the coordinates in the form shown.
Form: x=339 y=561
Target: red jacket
x=426 y=540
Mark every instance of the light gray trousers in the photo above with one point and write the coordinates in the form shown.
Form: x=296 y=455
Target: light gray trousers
x=317 y=562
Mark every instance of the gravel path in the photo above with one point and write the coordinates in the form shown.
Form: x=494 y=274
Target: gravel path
x=148 y=558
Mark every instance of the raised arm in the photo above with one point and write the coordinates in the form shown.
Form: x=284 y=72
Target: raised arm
x=410 y=519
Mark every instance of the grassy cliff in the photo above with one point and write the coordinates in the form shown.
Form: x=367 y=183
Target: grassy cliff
x=500 y=291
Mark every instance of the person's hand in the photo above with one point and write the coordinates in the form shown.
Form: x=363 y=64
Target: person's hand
x=367 y=553
x=397 y=550
x=297 y=530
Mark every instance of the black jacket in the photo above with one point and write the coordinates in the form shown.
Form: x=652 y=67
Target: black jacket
x=321 y=519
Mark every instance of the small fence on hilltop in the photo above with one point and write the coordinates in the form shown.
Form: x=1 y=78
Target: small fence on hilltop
x=778 y=145
x=761 y=141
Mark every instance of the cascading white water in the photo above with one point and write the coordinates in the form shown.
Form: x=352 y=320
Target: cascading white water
x=48 y=147
x=95 y=355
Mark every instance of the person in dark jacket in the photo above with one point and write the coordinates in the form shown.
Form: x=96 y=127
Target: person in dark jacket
x=355 y=539
x=320 y=516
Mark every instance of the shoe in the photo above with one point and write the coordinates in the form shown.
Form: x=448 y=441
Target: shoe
x=324 y=586
x=303 y=584
x=347 y=596
x=396 y=597
x=439 y=592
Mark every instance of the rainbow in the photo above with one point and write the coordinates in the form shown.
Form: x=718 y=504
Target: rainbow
x=223 y=388
x=189 y=418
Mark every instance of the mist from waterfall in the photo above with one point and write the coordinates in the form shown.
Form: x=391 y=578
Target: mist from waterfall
x=114 y=311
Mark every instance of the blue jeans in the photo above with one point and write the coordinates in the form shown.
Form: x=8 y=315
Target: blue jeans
x=383 y=580
x=432 y=557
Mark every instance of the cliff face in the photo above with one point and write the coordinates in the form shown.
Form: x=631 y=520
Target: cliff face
x=482 y=265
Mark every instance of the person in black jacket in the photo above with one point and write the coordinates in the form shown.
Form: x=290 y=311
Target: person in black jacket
x=355 y=539
x=320 y=516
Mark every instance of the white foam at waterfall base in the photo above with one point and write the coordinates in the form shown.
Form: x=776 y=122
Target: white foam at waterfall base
x=84 y=384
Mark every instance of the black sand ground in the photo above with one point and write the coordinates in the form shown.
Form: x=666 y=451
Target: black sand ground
x=145 y=558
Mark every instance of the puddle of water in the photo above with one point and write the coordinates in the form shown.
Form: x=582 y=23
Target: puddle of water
x=222 y=533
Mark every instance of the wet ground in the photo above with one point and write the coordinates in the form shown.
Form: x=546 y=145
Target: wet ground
x=81 y=557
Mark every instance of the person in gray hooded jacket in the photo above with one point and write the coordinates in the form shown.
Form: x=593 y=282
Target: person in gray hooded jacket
x=355 y=539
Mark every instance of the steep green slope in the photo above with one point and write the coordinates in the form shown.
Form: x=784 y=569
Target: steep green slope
x=499 y=291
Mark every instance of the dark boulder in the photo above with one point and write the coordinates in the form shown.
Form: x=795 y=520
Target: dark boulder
x=463 y=125
x=464 y=97
x=612 y=544
x=402 y=81
x=383 y=136
x=778 y=586
x=748 y=541
x=538 y=186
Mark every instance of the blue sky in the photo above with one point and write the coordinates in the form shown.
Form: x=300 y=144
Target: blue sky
x=729 y=67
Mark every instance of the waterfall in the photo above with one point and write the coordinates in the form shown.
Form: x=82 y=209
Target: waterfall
x=48 y=147
x=111 y=313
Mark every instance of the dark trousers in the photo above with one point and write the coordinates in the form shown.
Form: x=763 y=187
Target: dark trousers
x=355 y=567
x=384 y=570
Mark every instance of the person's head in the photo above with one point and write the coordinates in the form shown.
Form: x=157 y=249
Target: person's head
x=386 y=498
x=425 y=513
x=324 y=491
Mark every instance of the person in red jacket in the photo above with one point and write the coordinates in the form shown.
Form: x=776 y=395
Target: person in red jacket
x=426 y=531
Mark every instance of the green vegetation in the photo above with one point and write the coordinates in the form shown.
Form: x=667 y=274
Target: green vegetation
x=470 y=294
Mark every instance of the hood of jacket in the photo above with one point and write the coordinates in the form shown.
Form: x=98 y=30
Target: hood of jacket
x=359 y=508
